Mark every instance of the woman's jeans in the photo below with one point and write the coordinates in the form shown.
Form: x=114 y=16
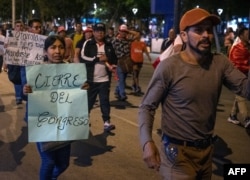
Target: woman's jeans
x=18 y=91
x=53 y=162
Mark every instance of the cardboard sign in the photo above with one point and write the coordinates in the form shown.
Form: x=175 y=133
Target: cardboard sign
x=24 y=48
x=58 y=107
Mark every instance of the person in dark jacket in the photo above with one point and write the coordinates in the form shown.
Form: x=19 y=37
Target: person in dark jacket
x=100 y=59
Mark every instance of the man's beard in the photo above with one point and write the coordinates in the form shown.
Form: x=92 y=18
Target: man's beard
x=204 y=52
x=206 y=55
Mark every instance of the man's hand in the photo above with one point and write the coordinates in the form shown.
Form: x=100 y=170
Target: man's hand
x=85 y=86
x=103 y=58
x=151 y=156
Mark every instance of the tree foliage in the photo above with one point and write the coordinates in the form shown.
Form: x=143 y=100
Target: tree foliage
x=111 y=11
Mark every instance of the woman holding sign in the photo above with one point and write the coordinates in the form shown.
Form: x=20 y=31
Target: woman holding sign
x=54 y=155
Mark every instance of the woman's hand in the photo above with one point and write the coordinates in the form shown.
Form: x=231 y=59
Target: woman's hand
x=27 y=89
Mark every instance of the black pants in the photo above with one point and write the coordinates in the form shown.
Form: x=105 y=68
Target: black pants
x=102 y=89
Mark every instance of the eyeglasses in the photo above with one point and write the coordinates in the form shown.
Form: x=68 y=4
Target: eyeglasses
x=37 y=27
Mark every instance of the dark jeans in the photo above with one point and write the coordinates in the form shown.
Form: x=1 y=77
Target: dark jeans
x=53 y=162
x=103 y=89
x=120 y=88
x=18 y=91
x=24 y=97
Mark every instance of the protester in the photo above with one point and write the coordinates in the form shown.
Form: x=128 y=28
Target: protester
x=69 y=54
x=34 y=26
x=54 y=162
x=168 y=41
x=121 y=45
x=188 y=86
x=229 y=39
x=99 y=57
x=15 y=69
x=138 y=48
x=175 y=47
x=110 y=36
x=77 y=35
x=54 y=31
x=88 y=33
x=240 y=57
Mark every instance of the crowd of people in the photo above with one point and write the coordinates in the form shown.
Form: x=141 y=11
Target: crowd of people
x=100 y=51
x=187 y=84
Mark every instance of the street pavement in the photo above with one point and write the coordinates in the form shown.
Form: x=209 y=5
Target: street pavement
x=115 y=155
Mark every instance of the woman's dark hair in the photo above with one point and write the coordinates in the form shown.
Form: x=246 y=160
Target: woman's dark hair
x=51 y=39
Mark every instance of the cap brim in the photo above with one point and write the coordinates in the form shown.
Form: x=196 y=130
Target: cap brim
x=99 y=29
x=215 y=20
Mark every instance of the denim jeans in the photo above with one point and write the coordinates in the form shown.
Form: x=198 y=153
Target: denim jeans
x=18 y=91
x=120 y=88
x=54 y=162
x=25 y=97
x=23 y=79
x=102 y=89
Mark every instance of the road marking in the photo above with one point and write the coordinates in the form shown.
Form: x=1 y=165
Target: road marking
x=130 y=122
x=126 y=120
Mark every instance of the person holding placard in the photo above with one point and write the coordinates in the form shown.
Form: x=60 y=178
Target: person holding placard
x=54 y=155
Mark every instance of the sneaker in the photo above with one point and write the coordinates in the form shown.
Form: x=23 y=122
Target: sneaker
x=108 y=127
x=247 y=123
x=233 y=119
x=18 y=101
x=124 y=98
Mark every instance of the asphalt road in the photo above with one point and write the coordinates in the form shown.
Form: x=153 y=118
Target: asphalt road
x=107 y=156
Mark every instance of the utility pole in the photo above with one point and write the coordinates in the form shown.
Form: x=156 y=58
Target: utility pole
x=13 y=13
x=177 y=4
x=23 y=11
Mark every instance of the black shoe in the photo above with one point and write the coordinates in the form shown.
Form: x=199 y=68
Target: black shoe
x=109 y=127
x=18 y=101
x=123 y=98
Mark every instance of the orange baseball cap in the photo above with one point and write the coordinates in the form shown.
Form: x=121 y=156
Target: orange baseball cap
x=195 y=16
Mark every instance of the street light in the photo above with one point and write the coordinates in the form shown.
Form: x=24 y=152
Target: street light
x=219 y=11
x=134 y=10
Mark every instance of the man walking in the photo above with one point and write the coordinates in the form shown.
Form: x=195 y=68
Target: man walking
x=99 y=56
x=122 y=44
x=240 y=57
x=188 y=86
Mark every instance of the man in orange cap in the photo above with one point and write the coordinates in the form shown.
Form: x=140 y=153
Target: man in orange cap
x=188 y=86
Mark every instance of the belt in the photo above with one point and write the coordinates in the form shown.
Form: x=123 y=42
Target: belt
x=199 y=143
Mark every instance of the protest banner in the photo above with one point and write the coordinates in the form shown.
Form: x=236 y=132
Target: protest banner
x=58 y=107
x=24 y=48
